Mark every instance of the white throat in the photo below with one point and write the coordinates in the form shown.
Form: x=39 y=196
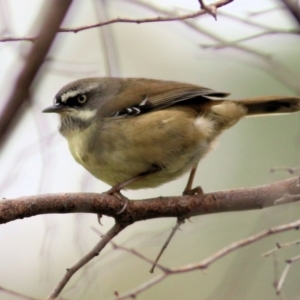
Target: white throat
x=84 y=115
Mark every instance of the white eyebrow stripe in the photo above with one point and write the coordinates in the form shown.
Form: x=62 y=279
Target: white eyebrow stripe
x=64 y=97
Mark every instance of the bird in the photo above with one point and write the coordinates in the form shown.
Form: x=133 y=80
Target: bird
x=135 y=133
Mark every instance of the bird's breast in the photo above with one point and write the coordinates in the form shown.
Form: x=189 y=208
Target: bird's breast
x=78 y=145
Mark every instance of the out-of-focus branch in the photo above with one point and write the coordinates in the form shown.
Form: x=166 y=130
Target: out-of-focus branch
x=204 y=264
x=202 y=11
x=210 y=9
x=16 y=294
x=183 y=206
x=216 y=4
x=272 y=66
x=117 y=228
x=18 y=39
x=21 y=91
x=294 y=9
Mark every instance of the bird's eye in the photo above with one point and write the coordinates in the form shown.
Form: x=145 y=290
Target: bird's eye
x=81 y=99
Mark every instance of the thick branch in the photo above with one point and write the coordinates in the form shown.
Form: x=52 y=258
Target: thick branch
x=183 y=206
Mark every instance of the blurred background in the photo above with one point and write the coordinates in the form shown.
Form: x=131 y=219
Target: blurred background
x=251 y=50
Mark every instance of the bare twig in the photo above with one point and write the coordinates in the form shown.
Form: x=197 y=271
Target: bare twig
x=286 y=169
x=282 y=73
x=282 y=245
x=117 y=228
x=279 y=283
x=265 y=11
x=15 y=294
x=286 y=198
x=279 y=246
x=216 y=5
x=282 y=278
x=285 y=272
x=292 y=260
x=210 y=9
x=276 y=269
x=165 y=245
x=204 y=264
x=132 y=251
x=18 y=39
x=253 y=23
x=52 y=20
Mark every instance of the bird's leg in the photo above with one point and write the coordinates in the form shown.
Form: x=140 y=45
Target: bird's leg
x=116 y=189
x=188 y=189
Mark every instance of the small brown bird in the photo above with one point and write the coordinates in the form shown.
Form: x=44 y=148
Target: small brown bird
x=135 y=133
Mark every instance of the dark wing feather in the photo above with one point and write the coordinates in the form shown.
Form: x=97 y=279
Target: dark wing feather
x=182 y=94
x=138 y=96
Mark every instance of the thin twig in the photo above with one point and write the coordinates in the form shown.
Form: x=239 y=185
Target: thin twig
x=282 y=278
x=216 y=4
x=210 y=9
x=280 y=72
x=285 y=272
x=15 y=294
x=18 y=39
x=204 y=264
x=286 y=169
x=117 y=228
x=132 y=251
x=165 y=245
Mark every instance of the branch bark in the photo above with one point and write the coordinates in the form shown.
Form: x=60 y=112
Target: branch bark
x=184 y=206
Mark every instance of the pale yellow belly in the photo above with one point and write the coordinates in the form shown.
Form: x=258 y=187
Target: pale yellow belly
x=173 y=139
x=173 y=143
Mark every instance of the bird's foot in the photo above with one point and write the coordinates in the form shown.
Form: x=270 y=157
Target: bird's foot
x=115 y=191
x=192 y=192
x=118 y=195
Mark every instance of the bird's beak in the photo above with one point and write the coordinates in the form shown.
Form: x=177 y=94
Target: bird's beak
x=57 y=108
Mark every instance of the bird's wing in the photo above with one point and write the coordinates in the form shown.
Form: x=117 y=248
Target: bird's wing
x=139 y=96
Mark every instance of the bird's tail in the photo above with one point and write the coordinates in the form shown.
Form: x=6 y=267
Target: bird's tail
x=270 y=105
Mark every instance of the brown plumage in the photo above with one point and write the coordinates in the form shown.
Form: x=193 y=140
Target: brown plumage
x=150 y=130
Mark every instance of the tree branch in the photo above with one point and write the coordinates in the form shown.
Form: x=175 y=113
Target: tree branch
x=85 y=259
x=202 y=11
x=294 y=9
x=204 y=264
x=21 y=91
x=183 y=206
